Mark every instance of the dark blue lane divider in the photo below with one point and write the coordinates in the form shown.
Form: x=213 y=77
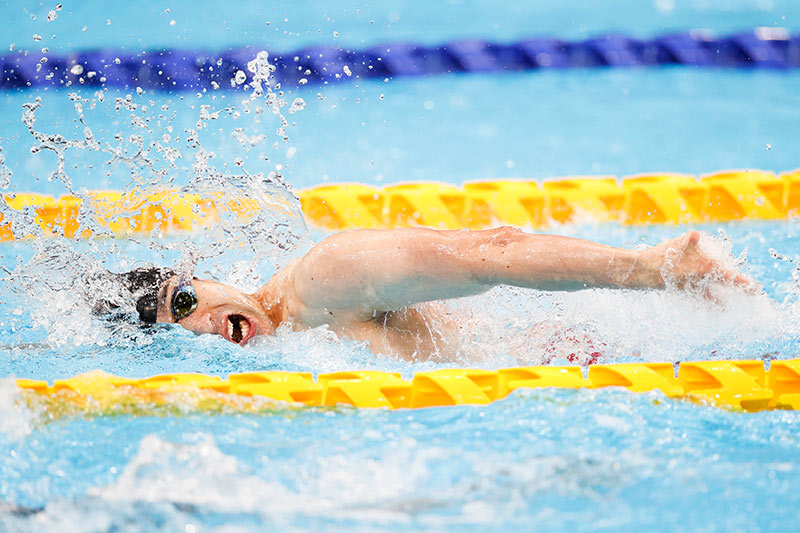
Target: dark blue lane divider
x=176 y=70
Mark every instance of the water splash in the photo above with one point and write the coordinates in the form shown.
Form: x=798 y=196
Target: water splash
x=5 y=172
x=16 y=420
x=257 y=215
x=710 y=320
x=201 y=475
x=193 y=474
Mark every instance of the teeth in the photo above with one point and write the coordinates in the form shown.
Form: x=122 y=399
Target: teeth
x=238 y=327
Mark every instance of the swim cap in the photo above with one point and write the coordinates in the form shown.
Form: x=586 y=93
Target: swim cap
x=142 y=286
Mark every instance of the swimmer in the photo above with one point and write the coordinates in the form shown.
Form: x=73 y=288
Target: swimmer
x=364 y=284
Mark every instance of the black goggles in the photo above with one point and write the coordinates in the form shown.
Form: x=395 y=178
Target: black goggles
x=184 y=302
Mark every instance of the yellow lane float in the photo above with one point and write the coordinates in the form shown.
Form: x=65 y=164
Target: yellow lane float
x=643 y=199
x=736 y=385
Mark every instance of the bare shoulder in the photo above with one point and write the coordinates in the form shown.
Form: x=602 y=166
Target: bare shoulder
x=352 y=276
x=279 y=297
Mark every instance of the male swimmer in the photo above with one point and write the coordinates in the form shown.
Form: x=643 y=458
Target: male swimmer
x=362 y=283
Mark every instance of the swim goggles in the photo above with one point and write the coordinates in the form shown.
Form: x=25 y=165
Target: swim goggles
x=184 y=301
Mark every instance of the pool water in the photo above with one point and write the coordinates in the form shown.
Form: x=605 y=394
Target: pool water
x=586 y=460
x=457 y=128
x=546 y=459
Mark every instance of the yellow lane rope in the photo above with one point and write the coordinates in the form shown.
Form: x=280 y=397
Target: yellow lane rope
x=738 y=385
x=645 y=199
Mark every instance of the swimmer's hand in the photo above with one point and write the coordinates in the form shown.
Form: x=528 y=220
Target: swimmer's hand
x=682 y=263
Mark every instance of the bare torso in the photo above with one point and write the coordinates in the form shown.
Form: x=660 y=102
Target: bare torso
x=417 y=333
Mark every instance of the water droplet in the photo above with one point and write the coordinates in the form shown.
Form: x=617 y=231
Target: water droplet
x=241 y=77
x=45 y=50
x=77 y=69
x=290 y=152
x=298 y=104
x=37 y=37
x=347 y=71
x=117 y=61
x=302 y=81
x=336 y=34
x=11 y=47
x=172 y=22
x=51 y=16
x=58 y=7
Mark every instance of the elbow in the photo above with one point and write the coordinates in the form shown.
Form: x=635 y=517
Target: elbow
x=495 y=253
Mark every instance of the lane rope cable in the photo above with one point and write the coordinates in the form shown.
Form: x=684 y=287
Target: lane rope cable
x=193 y=70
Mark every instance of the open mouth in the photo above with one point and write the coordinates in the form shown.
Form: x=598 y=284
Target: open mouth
x=238 y=328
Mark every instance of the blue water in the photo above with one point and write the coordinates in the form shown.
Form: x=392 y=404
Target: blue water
x=461 y=128
x=292 y=25
x=572 y=460
x=589 y=461
x=547 y=459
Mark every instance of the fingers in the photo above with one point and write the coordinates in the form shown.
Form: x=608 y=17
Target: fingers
x=692 y=238
x=739 y=280
x=690 y=266
x=709 y=295
x=714 y=268
x=746 y=284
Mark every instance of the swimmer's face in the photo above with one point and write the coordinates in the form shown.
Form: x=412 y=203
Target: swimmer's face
x=219 y=309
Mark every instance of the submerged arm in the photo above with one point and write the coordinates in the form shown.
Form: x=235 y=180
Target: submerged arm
x=371 y=271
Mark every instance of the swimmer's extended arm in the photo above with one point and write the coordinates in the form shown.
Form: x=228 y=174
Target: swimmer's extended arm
x=369 y=271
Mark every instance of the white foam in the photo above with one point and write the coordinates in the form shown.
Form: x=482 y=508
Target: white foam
x=654 y=325
x=16 y=420
x=196 y=474
x=318 y=349
x=200 y=474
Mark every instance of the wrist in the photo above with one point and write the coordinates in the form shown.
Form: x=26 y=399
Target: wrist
x=646 y=271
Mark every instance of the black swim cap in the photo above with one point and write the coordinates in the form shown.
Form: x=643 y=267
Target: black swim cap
x=142 y=285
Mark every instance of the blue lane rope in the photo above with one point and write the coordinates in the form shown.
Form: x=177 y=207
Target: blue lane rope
x=176 y=70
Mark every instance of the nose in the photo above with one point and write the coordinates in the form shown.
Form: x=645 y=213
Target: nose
x=198 y=322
